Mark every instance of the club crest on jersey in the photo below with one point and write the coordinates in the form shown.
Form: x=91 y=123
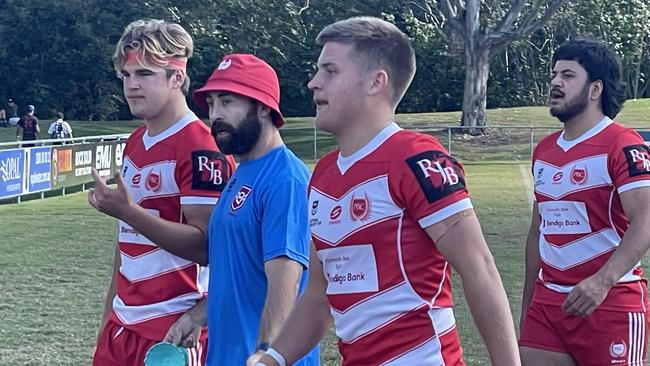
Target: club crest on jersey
x=578 y=174
x=153 y=181
x=240 y=197
x=314 y=207
x=540 y=172
x=359 y=208
x=638 y=159
x=618 y=349
x=437 y=173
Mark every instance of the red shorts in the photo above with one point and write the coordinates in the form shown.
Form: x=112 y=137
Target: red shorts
x=119 y=346
x=604 y=338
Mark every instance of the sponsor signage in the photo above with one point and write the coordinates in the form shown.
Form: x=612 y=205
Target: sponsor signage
x=12 y=172
x=40 y=169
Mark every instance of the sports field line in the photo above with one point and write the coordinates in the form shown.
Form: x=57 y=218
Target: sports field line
x=528 y=183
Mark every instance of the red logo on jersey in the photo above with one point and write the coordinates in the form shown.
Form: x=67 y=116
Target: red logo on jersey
x=240 y=197
x=135 y=181
x=336 y=212
x=618 y=350
x=359 y=208
x=154 y=181
x=557 y=177
x=579 y=175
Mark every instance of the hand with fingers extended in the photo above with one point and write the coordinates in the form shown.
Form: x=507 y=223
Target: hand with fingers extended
x=185 y=332
x=586 y=296
x=114 y=202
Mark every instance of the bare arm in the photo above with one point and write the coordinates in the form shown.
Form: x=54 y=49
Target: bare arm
x=112 y=291
x=531 y=261
x=309 y=320
x=189 y=241
x=460 y=239
x=590 y=292
x=282 y=276
x=186 y=331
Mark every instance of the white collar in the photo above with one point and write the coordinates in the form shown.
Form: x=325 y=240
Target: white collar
x=345 y=162
x=149 y=141
x=567 y=145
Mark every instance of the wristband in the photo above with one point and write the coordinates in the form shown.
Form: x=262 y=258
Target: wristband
x=263 y=346
x=276 y=356
x=260 y=364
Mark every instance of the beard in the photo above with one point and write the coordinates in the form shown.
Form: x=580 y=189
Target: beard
x=240 y=140
x=573 y=107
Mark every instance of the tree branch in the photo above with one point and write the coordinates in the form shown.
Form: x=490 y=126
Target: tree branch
x=429 y=15
x=451 y=13
x=496 y=40
x=511 y=15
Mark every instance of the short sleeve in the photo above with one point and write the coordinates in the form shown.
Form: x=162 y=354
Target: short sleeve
x=629 y=162
x=285 y=230
x=430 y=183
x=203 y=171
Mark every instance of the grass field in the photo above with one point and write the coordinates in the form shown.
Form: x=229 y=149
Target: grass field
x=57 y=254
x=504 y=144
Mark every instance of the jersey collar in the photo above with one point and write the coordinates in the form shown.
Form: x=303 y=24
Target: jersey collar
x=566 y=145
x=150 y=141
x=345 y=162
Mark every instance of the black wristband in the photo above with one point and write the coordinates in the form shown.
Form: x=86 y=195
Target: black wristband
x=263 y=346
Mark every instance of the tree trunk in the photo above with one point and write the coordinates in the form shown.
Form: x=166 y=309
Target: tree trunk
x=477 y=69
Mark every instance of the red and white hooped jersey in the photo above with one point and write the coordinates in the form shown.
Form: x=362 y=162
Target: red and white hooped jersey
x=180 y=166
x=389 y=287
x=577 y=187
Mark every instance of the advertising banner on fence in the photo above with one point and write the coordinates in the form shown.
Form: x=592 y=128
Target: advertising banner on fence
x=39 y=169
x=62 y=172
x=12 y=172
x=72 y=165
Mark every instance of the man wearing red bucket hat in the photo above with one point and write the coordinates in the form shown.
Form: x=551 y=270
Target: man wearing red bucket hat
x=258 y=233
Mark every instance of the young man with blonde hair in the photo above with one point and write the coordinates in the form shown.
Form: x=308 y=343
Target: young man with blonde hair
x=390 y=215
x=172 y=175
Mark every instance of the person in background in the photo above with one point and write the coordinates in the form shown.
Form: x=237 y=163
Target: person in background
x=59 y=129
x=28 y=127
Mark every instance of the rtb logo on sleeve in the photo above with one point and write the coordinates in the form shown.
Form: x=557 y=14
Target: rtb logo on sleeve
x=210 y=170
x=438 y=174
x=638 y=159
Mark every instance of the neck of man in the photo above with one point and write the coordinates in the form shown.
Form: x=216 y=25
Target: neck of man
x=269 y=139
x=583 y=122
x=358 y=132
x=168 y=116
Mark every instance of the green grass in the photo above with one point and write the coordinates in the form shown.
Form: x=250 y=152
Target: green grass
x=57 y=255
x=497 y=144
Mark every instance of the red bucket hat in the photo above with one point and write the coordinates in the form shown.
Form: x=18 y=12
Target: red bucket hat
x=246 y=75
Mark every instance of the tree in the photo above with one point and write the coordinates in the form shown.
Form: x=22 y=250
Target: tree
x=482 y=37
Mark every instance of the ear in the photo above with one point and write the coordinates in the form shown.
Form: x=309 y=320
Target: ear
x=264 y=112
x=177 y=79
x=596 y=90
x=378 y=82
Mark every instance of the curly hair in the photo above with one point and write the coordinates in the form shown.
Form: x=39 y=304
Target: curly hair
x=601 y=63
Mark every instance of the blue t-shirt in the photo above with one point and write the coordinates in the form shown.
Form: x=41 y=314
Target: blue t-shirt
x=261 y=215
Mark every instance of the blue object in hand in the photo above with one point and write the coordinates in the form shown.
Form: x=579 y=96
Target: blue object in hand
x=166 y=354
